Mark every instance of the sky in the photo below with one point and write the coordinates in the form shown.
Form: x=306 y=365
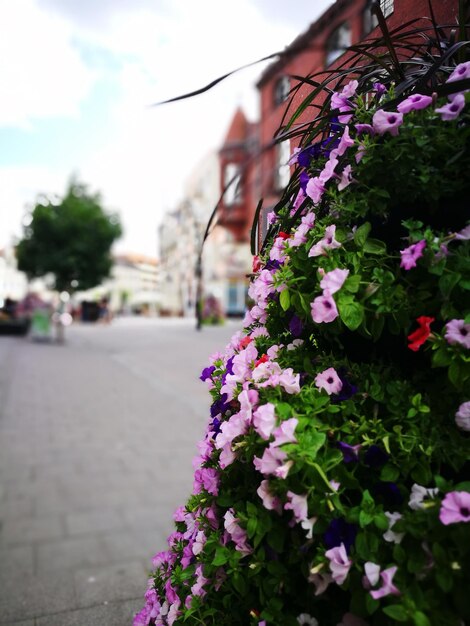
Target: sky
x=77 y=81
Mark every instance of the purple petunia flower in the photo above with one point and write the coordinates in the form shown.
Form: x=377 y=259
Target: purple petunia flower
x=389 y=492
x=414 y=102
x=207 y=373
x=350 y=453
x=303 y=180
x=462 y=417
x=364 y=128
x=340 y=532
x=410 y=255
x=295 y=326
x=387 y=122
x=375 y=457
x=455 y=508
x=452 y=110
x=348 y=390
x=220 y=406
x=457 y=331
x=461 y=72
x=379 y=88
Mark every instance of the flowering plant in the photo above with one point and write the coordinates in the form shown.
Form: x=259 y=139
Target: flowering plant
x=332 y=483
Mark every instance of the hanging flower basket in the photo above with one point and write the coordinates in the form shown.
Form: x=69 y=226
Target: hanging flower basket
x=332 y=485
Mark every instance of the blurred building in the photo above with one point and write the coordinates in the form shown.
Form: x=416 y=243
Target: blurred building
x=133 y=286
x=320 y=47
x=13 y=283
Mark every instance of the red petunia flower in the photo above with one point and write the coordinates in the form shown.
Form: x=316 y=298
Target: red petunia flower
x=244 y=342
x=420 y=335
x=262 y=359
x=283 y=235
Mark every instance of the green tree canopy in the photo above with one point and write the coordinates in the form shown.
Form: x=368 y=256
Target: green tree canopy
x=70 y=239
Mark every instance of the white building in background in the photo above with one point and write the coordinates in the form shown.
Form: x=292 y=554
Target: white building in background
x=224 y=261
x=133 y=286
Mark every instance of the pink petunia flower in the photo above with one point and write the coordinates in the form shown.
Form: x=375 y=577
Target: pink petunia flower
x=315 y=189
x=340 y=564
x=345 y=178
x=285 y=432
x=328 y=171
x=324 y=308
x=457 y=331
x=305 y=619
x=410 y=255
x=368 y=129
x=321 y=582
x=461 y=72
x=270 y=501
x=298 y=505
x=327 y=243
x=329 y=381
x=344 y=143
x=414 y=102
x=372 y=574
x=464 y=234
x=387 y=588
x=334 y=280
x=455 y=508
x=387 y=122
x=361 y=151
x=452 y=110
x=282 y=471
x=272 y=459
x=462 y=417
x=264 y=420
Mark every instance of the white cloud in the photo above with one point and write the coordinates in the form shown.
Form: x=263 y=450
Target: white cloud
x=157 y=54
x=41 y=74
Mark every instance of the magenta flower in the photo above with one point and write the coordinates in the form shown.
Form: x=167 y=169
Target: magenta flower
x=452 y=110
x=208 y=478
x=340 y=564
x=462 y=417
x=345 y=178
x=368 y=129
x=455 y=508
x=324 y=308
x=410 y=255
x=457 y=331
x=329 y=381
x=315 y=189
x=298 y=505
x=414 y=103
x=387 y=122
x=270 y=501
x=285 y=432
x=461 y=72
x=264 y=420
x=387 y=587
x=272 y=459
x=344 y=143
x=327 y=243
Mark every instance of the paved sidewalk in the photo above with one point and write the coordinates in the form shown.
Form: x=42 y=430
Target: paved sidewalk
x=96 y=442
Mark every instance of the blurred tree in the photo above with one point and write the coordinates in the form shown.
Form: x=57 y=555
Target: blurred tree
x=70 y=239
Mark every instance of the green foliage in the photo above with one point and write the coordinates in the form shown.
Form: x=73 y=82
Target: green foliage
x=70 y=239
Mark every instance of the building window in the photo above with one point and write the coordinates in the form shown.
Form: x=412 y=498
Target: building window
x=281 y=90
x=339 y=40
x=369 y=20
x=282 y=168
x=386 y=7
x=232 y=177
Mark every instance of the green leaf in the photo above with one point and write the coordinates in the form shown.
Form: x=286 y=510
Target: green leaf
x=221 y=556
x=284 y=299
x=441 y=357
x=361 y=234
x=239 y=583
x=352 y=283
x=389 y=473
x=251 y=526
x=375 y=246
x=447 y=282
x=351 y=313
x=420 y=619
x=365 y=518
x=396 y=612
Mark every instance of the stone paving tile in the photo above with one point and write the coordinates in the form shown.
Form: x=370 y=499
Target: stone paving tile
x=27 y=530
x=111 y=614
x=96 y=585
x=25 y=597
x=93 y=521
x=70 y=554
x=16 y=561
x=29 y=622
